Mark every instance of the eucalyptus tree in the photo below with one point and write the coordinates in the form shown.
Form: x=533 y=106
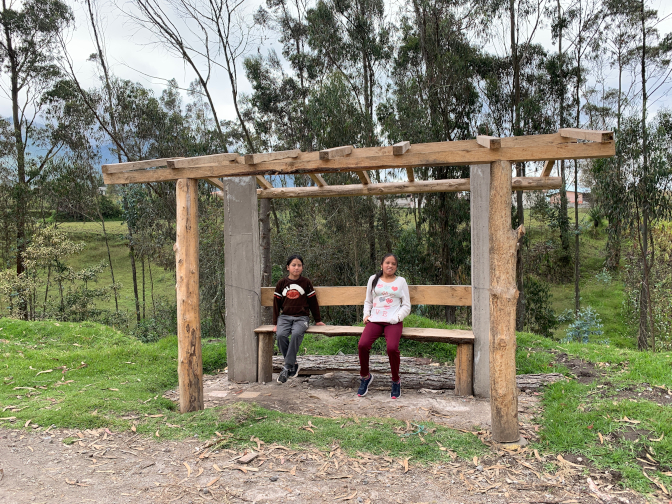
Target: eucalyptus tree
x=28 y=51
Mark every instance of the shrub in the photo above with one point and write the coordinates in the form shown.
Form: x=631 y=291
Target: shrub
x=586 y=324
x=539 y=316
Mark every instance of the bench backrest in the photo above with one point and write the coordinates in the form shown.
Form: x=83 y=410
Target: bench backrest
x=442 y=295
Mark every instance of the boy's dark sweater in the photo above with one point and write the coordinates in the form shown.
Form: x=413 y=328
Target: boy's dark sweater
x=289 y=299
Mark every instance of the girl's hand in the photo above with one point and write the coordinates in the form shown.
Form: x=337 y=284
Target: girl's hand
x=320 y=323
x=366 y=319
x=275 y=328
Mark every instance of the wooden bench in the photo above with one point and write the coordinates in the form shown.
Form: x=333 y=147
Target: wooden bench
x=446 y=295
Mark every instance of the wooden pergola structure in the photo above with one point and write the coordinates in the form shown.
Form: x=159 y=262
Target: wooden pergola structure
x=494 y=243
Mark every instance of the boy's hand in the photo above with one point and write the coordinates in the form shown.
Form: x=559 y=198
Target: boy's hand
x=320 y=323
x=366 y=319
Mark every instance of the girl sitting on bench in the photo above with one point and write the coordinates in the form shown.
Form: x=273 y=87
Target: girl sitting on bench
x=295 y=297
x=387 y=303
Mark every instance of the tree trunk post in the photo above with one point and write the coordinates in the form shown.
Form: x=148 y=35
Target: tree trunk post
x=503 y=298
x=242 y=262
x=479 y=179
x=190 y=362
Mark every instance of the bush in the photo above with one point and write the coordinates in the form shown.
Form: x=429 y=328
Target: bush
x=539 y=316
x=588 y=323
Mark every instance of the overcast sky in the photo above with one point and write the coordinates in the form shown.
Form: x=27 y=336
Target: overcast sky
x=133 y=54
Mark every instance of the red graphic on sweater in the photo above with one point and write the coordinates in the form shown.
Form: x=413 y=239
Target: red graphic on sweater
x=388 y=300
x=395 y=289
x=384 y=314
x=293 y=294
x=379 y=286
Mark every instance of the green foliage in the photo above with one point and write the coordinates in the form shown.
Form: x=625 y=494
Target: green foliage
x=539 y=315
x=586 y=324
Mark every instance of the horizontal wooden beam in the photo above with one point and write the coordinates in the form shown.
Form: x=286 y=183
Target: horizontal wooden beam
x=336 y=152
x=435 y=295
x=135 y=165
x=271 y=156
x=419 y=186
x=548 y=166
x=592 y=135
x=319 y=181
x=400 y=148
x=464 y=152
x=489 y=142
x=201 y=160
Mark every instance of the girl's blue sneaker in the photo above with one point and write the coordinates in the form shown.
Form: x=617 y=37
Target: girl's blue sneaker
x=364 y=385
x=396 y=390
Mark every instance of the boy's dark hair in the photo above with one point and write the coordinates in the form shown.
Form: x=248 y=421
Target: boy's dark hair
x=380 y=272
x=292 y=257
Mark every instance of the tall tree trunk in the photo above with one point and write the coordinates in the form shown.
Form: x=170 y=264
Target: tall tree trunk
x=131 y=250
x=563 y=220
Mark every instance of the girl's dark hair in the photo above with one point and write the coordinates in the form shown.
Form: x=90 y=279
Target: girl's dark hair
x=380 y=272
x=292 y=257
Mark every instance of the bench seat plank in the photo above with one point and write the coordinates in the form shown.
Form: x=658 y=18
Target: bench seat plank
x=413 y=333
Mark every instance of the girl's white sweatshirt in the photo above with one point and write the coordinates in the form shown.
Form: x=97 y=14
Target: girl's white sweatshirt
x=388 y=302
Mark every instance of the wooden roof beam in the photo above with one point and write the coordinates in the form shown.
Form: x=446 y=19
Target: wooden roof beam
x=336 y=152
x=216 y=182
x=265 y=184
x=419 y=186
x=193 y=162
x=411 y=176
x=364 y=177
x=464 y=152
x=319 y=181
x=489 y=142
x=271 y=156
x=548 y=166
x=592 y=135
x=400 y=148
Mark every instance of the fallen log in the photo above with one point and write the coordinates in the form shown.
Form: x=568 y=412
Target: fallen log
x=417 y=373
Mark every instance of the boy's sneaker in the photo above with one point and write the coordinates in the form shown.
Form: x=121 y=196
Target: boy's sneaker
x=364 y=385
x=284 y=374
x=294 y=372
x=396 y=390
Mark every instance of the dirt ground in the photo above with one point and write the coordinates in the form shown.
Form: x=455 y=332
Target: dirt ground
x=110 y=467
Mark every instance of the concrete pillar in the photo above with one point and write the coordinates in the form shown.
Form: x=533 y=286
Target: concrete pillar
x=242 y=263
x=480 y=276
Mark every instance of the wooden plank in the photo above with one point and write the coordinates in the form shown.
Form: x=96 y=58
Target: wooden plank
x=548 y=166
x=265 y=184
x=464 y=370
x=271 y=156
x=201 y=160
x=592 y=135
x=336 y=152
x=216 y=182
x=439 y=295
x=190 y=362
x=265 y=364
x=503 y=298
x=416 y=187
x=319 y=181
x=400 y=148
x=489 y=142
x=364 y=177
x=526 y=148
x=134 y=165
x=409 y=172
x=453 y=336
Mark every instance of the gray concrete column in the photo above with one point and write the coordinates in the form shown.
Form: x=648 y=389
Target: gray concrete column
x=480 y=276
x=242 y=262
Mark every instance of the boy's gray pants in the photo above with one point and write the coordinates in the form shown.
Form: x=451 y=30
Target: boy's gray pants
x=296 y=326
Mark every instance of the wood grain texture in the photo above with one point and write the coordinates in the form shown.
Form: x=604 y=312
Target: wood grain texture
x=364 y=177
x=548 y=166
x=135 y=165
x=489 y=142
x=464 y=370
x=410 y=174
x=503 y=298
x=400 y=148
x=265 y=364
x=200 y=160
x=216 y=182
x=440 y=295
x=190 y=362
x=524 y=148
x=592 y=135
x=336 y=152
x=271 y=156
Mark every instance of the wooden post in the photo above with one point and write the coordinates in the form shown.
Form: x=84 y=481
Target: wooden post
x=464 y=369
x=503 y=298
x=190 y=362
x=265 y=363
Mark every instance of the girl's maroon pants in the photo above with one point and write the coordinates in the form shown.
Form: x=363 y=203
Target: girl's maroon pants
x=372 y=331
